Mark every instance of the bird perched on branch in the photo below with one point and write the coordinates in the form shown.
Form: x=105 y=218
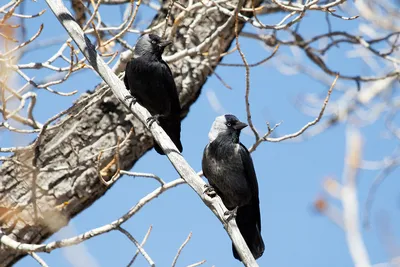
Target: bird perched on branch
x=228 y=167
x=150 y=82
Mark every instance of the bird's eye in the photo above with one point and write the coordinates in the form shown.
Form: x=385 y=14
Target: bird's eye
x=229 y=124
x=153 y=42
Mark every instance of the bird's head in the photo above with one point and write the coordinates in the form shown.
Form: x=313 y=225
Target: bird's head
x=150 y=44
x=227 y=125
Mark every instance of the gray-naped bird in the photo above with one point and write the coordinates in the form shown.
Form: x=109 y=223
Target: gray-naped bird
x=228 y=167
x=150 y=82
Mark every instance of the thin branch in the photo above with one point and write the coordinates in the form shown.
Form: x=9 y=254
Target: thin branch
x=180 y=249
x=38 y=259
x=128 y=25
x=253 y=64
x=139 y=247
x=247 y=102
x=206 y=42
x=302 y=130
x=197 y=263
x=25 y=43
x=145 y=175
x=23 y=247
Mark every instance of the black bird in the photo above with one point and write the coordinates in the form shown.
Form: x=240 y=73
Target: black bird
x=228 y=167
x=150 y=82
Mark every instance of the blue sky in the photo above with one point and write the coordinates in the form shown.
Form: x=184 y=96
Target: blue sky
x=290 y=174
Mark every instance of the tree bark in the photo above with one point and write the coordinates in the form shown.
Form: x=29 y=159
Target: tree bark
x=59 y=177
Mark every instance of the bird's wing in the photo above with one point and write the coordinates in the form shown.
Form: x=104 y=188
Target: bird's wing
x=252 y=180
x=168 y=68
x=125 y=77
x=172 y=90
x=127 y=73
x=207 y=165
x=204 y=162
x=250 y=173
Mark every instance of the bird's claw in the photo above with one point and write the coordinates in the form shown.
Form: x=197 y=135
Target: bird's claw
x=231 y=214
x=152 y=119
x=155 y=118
x=209 y=190
x=132 y=99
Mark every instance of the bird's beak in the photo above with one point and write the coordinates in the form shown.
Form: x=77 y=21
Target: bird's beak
x=239 y=125
x=165 y=43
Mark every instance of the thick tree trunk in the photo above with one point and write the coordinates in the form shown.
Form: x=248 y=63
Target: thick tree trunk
x=68 y=178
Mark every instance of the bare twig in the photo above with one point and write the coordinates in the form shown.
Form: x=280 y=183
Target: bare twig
x=38 y=259
x=247 y=102
x=180 y=249
x=302 y=130
x=197 y=263
x=23 y=247
x=145 y=175
x=139 y=247
x=254 y=64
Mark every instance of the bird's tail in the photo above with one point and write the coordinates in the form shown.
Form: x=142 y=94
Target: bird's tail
x=173 y=129
x=249 y=224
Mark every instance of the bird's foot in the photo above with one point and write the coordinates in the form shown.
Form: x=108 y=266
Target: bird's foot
x=231 y=214
x=153 y=119
x=209 y=190
x=132 y=99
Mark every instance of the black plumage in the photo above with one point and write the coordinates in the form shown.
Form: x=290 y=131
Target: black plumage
x=228 y=167
x=150 y=82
